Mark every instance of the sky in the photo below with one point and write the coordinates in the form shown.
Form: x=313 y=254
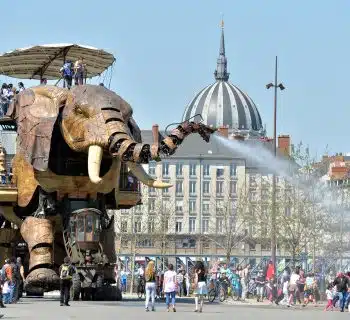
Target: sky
x=166 y=52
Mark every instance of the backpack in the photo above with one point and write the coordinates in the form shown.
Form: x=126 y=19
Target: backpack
x=65 y=272
x=8 y=272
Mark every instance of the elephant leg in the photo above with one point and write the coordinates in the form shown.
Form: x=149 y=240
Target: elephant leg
x=46 y=206
x=39 y=235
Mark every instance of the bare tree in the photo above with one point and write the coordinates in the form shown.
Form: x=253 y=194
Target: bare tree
x=229 y=226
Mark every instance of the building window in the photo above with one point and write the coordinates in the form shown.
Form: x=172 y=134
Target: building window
x=205 y=206
x=165 y=224
x=264 y=195
x=151 y=204
x=147 y=243
x=233 y=170
x=219 y=225
x=252 y=181
x=165 y=191
x=137 y=226
x=219 y=207
x=152 y=167
x=192 y=225
x=205 y=225
x=179 y=186
x=165 y=169
x=178 y=205
x=165 y=204
x=206 y=187
x=220 y=171
x=178 y=226
x=219 y=187
x=179 y=167
x=206 y=170
x=193 y=168
x=206 y=244
x=192 y=187
x=233 y=188
x=151 y=190
x=252 y=196
x=124 y=226
x=150 y=226
x=287 y=212
x=124 y=243
x=264 y=211
x=192 y=206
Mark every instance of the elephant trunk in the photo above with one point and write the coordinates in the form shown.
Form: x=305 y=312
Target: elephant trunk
x=123 y=146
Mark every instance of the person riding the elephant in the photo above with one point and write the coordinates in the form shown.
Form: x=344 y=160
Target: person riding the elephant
x=67 y=73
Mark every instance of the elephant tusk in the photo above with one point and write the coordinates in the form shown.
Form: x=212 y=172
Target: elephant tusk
x=94 y=163
x=140 y=173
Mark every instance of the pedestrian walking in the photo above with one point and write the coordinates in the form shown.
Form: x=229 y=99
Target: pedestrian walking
x=329 y=294
x=123 y=278
x=260 y=285
x=180 y=281
x=66 y=273
x=200 y=285
x=150 y=276
x=188 y=284
x=169 y=287
x=117 y=275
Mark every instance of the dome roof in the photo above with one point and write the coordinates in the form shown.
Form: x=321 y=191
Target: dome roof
x=224 y=104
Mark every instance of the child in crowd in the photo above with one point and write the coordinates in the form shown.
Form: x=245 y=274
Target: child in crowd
x=6 y=292
x=329 y=293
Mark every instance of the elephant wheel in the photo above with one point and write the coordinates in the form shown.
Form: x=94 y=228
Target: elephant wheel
x=211 y=295
x=76 y=288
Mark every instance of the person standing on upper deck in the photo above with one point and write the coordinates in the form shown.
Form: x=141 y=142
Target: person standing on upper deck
x=79 y=71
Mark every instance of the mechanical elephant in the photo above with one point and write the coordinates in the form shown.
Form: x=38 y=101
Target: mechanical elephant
x=74 y=141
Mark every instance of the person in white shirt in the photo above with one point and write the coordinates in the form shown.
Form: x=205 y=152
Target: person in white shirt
x=329 y=294
x=169 y=287
x=140 y=271
x=21 y=86
x=180 y=280
x=293 y=285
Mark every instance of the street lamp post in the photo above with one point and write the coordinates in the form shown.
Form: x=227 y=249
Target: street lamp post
x=273 y=215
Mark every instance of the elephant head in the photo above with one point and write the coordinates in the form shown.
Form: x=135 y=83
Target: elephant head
x=92 y=120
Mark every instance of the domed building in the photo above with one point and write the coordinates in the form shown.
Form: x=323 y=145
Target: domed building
x=224 y=104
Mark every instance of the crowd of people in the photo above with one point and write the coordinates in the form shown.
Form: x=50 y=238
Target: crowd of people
x=11 y=279
x=68 y=71
x=292 y=287
x=8 y=92
x=168 y=284
x=76 y=71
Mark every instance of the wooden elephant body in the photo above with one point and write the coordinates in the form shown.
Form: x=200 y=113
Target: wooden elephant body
x=73 y=144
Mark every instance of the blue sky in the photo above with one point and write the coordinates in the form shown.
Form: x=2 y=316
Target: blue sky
x=166 y=51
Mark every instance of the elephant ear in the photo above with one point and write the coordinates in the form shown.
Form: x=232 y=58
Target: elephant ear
x=35 y=111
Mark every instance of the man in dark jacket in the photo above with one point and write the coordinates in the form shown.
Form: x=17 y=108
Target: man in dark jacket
x=342 y=284
x=66 y=272
x=15 y=280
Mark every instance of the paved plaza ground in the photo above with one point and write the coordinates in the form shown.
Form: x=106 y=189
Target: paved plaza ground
x=49 y=309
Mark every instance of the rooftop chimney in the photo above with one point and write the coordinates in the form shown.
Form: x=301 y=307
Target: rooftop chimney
x=223 y=131
x=283 y=145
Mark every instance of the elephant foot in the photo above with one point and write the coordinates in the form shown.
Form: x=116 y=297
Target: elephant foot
x=42 y=280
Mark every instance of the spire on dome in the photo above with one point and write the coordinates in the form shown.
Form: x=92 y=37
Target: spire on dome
x=221 y=65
